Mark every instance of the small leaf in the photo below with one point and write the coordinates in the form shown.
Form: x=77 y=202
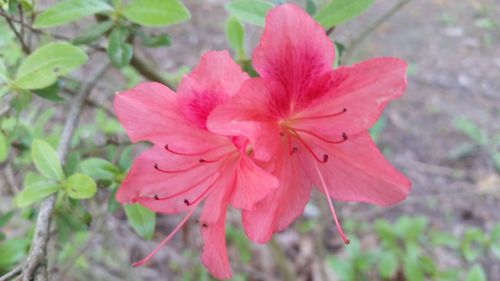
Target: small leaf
x=154 y=41
x=3 y=73
x=69 y=11
x=4 y=147
x=80 y=186
x=310 y=7
x=99 y=168
x=93 y=32
x=35 y=189
x=50 y=93
x=12 y=251
x=339 y=49
x=411 y=269
x=388 y=265
x=119 y=51
x=249 y=11
x=156 y=12
x=476 y=273
x=44 y=65
x=340 y=11
x=46 y=160
x=235 y=36
x=142 y=220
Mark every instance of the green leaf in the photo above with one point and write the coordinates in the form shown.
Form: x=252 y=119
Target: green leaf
x=310 y=7
x=119 y=51
x=156 y=12
x=80 y=186
x=12 y=251
x=235 y=36
x=99 y=168
x=412 y=270
x=50 y=93
x=249 y=11
x=471 y=129
x=154 y=41
x=3 y=73
x=339 y=49
x=35 y=189
x=93 y=32
x=476 y=273
x=340 y=11
x=4 y=147
x=44 y=65
x=142 y=220
x=5 y=218
x=69 y=11
x=387 y=265
x=46 y=160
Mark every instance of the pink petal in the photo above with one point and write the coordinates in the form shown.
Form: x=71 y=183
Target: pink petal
x=281 y=207
x=215 y=79
x=293 y=49
x=361 y=90
x=252 y=184
x=250 y=113
x=214 y=255
x=143 y=181
x=357 y=171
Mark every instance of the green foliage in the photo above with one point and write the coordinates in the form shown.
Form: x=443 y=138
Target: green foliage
x=46 y=161
x=93 y=33
x=235 y=35
x=50 y=93
x=44 y=65
x=141 y=219
x=471 y=129
x=249 y=11
x=4 y=147
x=69 y=11
x=340 y=11
x=119 y=51
x=35 y=189
x=80 y=186
x=99 y=169
x=12 y=251
x=156 y=12
x=476 y=273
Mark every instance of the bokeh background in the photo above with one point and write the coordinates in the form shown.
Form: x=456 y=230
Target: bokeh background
x=444 y=134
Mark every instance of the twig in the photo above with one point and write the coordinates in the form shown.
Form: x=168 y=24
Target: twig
x=364 y=34
x=145 y=70
x=14 y=272
x=10 y=21
x=35 y=267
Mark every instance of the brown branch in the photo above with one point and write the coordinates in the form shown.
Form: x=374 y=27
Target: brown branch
x=10 y=22
x=14 y=272
x=145 y=70
x=35 y=267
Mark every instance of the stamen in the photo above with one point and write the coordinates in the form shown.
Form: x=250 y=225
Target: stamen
x=189 y=154
x=156 y=197
x=174 y=171
x=332 y=210
x=216 y=159
x=325 y=156
x=165 y=241
x=344 y=136
x=197 y=199
x=344 y=110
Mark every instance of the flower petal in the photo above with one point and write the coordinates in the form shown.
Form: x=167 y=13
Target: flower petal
x=357 y=171
x=144 y=181
x=252 y=184
x=361 y=90
x=281 y=207
x=251 y=113
x=293 y=49
x=211 y=83
x=214 y=255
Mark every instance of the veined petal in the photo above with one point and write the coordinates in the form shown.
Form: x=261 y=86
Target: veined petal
x=293 y=49
x=357 y=171
x=214 y=79
x=144 y=182
x=251 y=113
x=214 y=255
x=252 y=184
x=283 y=205
x=354 y=97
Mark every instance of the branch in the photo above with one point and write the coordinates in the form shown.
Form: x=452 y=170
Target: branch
x=145 y=70
x=365 y=33
x=10 y=21
x=14 y=272
x=35 y=267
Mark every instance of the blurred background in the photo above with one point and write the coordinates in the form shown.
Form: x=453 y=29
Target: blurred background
x=444 y=134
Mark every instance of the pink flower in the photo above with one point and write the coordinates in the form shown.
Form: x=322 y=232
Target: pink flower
x=311 y=122
x=188 y=164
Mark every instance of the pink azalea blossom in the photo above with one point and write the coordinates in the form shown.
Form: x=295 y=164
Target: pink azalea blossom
x=187 y=163
x=311 y=122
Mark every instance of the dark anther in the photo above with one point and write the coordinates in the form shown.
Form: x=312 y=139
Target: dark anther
x=166 y=146
x=282 y=134
x=344 y=110
x=344 y=136
x=156 y=166
x=204 y=225
x=157 y=197
x=325 y=158
x=294 y=149
x=186 y=202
